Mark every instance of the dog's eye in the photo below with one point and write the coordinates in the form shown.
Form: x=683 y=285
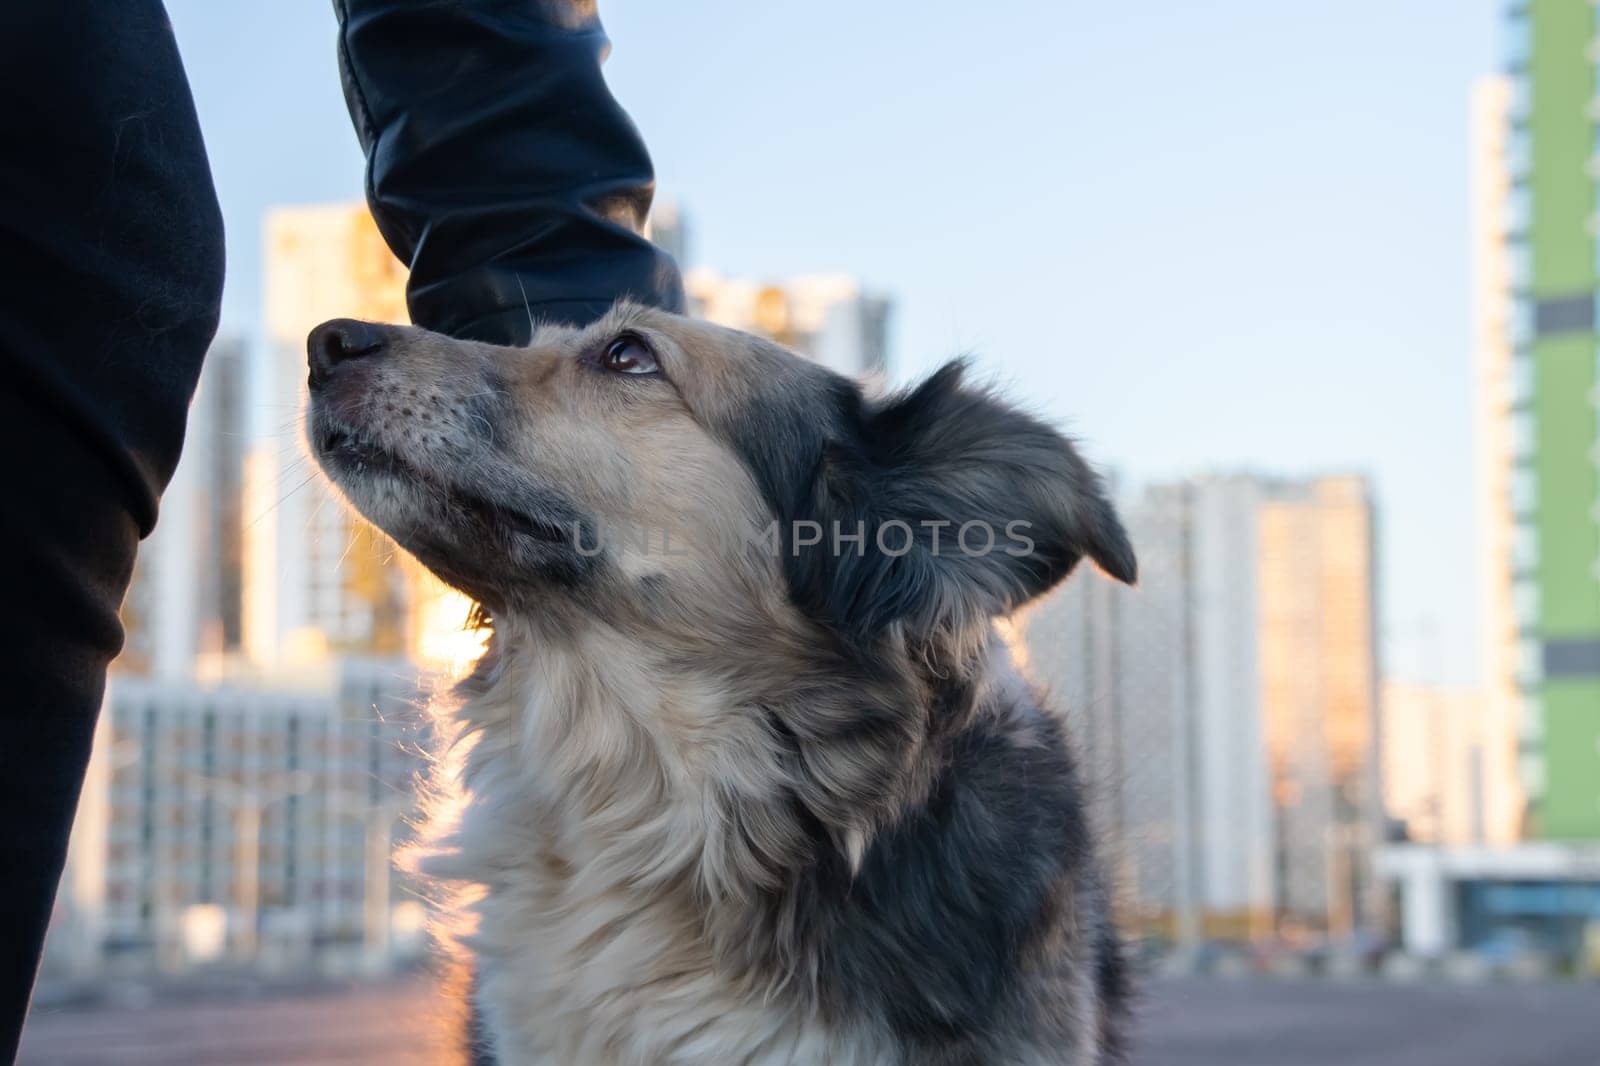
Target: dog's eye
x=628 y=354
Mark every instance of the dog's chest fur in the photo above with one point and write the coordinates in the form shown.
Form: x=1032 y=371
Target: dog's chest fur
x=651 y=897
x=594 y=828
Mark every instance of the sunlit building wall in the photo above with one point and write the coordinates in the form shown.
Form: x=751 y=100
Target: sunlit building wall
x=1500 y=384
x=830 y=318
x=1554 y=483
x=183 y=607
x=1436 y=740
x=1317 y=660
x=826 y=317
x=318 y=579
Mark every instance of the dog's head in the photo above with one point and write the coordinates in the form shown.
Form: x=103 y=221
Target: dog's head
x=651 y=463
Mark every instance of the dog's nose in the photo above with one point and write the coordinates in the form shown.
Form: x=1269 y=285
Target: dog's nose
x=335 y=343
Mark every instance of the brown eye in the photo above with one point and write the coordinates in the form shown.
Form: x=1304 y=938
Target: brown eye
x=629 y=354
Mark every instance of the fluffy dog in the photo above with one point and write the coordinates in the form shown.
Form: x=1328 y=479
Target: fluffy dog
x=745 y=776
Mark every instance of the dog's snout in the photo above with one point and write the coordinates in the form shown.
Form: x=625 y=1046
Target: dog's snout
x=336 y=343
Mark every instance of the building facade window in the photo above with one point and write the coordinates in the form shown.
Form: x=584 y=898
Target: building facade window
x=1519 y=212
x=1521 y=328
x=1519 y=154
x=1521 y=108
x=1524 y=435
x=1524 y=548
x=1572 y=657
x=1520 y=380
x=1531 y=765
x=1525 y=603
x=1530 y=722
x=1519 y=260
x=1523 y=488
x=1564 y=314
x=1516 y=38
x=1530 y=664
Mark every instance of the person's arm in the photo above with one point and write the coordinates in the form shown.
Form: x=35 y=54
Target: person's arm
x=499 y=166
x=111 y=255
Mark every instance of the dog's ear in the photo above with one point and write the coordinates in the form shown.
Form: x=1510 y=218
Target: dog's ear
x=942 y=507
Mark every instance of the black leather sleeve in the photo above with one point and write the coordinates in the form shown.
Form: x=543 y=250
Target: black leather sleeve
x=499 y=166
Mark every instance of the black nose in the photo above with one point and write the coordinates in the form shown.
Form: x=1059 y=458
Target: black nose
x=337 y=342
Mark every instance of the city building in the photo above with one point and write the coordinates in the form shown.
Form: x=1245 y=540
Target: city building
x=1316 y=647
x=246 y=825
x=1534 y=879
x=1234 y=816
x=1435 y=743
x=830 y=318
x=1552 y=490
x=826 y=317
x=1225 y=708
x=1538 y=901
x=1117 y=664
x=1495 y=395
x=319 y=579
x=183 y=610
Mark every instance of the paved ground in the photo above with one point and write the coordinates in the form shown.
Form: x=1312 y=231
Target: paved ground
x=1182 y=1023
x=393 y=1024
x=1258 y=1023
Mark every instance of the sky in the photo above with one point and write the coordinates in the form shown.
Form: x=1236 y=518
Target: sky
x=1216 y=236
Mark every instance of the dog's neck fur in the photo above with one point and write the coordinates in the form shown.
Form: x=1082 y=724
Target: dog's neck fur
x=635 y=815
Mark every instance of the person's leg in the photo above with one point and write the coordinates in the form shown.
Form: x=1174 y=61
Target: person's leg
x=499 y=166
x=111 y=272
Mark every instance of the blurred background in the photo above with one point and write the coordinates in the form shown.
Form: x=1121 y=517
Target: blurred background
x=1315 y=283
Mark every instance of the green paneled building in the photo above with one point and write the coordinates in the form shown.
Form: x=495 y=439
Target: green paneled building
x=1555 y=479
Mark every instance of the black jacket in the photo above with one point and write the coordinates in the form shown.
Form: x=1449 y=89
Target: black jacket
x=498 y=164
x=500 y=169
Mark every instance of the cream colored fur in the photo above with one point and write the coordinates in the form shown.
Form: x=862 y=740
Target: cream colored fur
x=592 y=825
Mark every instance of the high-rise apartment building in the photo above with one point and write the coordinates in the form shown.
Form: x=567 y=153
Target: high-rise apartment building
x=1316 y=648
x=1225 y=707
x=183 y=609
x=1539 y=380
x=1118 y=666
x=318 y=578
x=1500 y=718
x=1233 y=804
x=826 y=317
x=1526 y=778
x=267 y=813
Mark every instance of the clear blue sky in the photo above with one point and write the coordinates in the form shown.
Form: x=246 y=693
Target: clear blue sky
x=1219 y=235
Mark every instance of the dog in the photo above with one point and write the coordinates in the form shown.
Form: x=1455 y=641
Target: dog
x=745 y=775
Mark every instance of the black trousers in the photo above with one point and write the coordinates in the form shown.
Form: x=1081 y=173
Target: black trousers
x=499 y=168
